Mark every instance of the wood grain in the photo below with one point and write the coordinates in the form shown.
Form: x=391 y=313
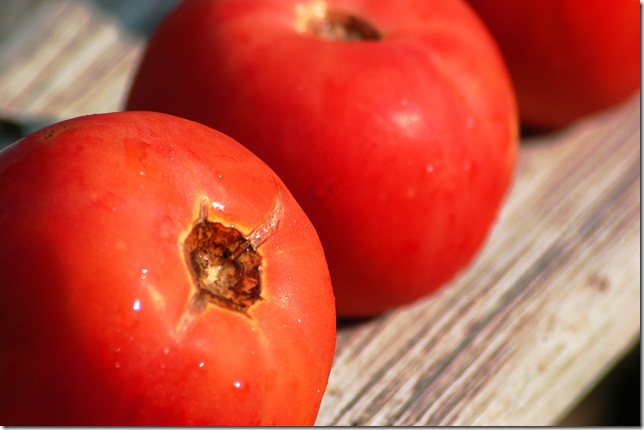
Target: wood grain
x=551 y=303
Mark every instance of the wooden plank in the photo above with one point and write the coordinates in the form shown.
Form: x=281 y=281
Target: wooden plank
x=67 y=59
x=550 y=304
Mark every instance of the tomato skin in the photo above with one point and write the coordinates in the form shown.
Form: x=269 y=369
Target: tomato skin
x=400 y=150
x=567 y=58
x=93 y=282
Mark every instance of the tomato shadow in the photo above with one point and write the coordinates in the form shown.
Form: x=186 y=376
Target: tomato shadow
x=138 y=17
x=345 y=323
x=14 y=129
x=529 y=132
x=534 y=137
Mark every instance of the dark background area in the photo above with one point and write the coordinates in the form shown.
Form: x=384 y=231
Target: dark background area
x=616 y=400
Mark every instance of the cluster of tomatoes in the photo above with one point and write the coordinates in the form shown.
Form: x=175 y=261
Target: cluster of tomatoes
x=155 y=271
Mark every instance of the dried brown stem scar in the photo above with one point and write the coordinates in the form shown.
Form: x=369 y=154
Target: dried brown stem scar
x=224 y=264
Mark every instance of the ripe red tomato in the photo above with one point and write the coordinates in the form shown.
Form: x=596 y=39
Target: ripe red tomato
x=392 y=122
x=153 y=271
x=567 y=58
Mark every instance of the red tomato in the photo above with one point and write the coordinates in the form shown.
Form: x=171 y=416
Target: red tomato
x=567 y=58
x=119 y=303
x=392 y=122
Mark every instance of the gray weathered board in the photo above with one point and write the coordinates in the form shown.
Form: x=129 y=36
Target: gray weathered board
x=551 y=303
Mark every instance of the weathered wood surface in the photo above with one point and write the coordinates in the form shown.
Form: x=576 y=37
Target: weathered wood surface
x=550 y=304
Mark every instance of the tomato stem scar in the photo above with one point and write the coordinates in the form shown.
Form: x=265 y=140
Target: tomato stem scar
x=317 y=20
x=224 y=264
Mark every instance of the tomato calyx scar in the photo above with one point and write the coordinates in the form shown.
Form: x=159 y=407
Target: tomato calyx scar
x=224 y=264
x=317 y=20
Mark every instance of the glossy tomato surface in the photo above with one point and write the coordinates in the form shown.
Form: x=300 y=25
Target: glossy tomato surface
x=392 y=122
x=567 y=58
x=97 y=318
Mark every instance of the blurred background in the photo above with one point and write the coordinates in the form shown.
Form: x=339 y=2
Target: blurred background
x=120 y=28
